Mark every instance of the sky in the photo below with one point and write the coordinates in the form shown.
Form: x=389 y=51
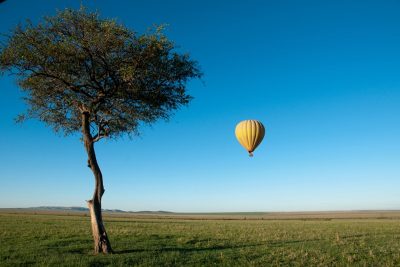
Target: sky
x=322 y=76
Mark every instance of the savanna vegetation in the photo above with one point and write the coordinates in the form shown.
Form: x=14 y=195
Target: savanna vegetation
x=63 y=240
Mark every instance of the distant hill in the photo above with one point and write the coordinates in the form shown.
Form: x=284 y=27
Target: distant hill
x=82 y=209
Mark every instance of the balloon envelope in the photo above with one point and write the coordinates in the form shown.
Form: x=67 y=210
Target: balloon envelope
x=250 y=133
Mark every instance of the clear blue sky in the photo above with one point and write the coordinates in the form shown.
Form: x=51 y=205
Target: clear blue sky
x=323 y=77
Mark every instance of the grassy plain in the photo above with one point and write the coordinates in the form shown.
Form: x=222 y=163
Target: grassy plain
x=279 y=239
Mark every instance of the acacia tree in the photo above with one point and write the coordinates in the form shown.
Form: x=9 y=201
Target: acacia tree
x=85 y=74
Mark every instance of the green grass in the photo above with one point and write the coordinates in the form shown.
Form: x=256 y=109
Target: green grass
x=55 y=240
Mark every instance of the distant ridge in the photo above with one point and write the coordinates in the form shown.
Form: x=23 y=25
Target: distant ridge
x=59 y=208
x=82 y=209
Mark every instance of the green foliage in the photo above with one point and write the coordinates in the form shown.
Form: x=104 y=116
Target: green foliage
x=54 y=240
x=76 y=62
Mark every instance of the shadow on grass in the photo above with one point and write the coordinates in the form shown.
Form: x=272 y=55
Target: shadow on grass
x=282 y=243
x=76 y=251
x=180 y=249
x=189 y=249
x=217 y=247
x=288 y=242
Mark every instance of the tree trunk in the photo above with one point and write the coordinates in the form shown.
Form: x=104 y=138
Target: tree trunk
x=101 y=242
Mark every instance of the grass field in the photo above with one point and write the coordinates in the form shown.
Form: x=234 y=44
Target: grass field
x=64 y=240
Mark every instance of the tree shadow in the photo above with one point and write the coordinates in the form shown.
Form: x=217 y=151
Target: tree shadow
x=188 y=249
x=217 y=247
x=288 y=242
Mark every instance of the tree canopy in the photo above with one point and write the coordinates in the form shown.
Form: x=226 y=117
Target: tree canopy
x=76 y=62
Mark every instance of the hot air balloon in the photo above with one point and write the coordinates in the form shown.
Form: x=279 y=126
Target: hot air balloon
x=250 y=133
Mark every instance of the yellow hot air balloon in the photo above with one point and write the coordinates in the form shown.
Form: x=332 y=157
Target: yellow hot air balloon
x=250 y=133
